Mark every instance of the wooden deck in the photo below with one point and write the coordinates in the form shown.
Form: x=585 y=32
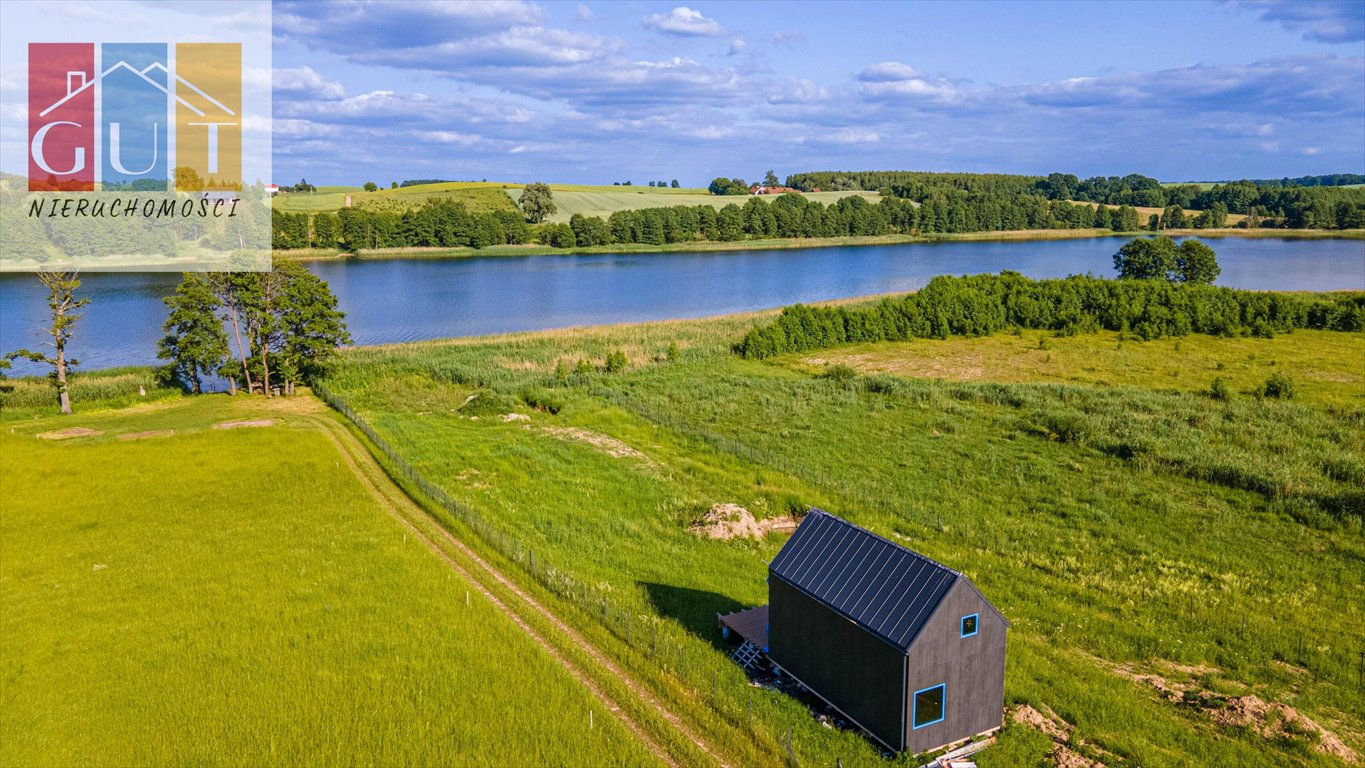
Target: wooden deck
x=751 y=625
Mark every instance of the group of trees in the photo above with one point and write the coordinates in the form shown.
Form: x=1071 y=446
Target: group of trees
x=1161 y=259
x=983 y=304
x=436 y=223
x=260 y=330
x=1323 y=204
x=285 y=325
x=723 y=186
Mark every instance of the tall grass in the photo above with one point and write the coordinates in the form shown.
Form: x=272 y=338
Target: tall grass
x=1192 y=549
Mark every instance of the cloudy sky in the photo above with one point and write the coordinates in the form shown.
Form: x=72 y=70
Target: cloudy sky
x=608 y=91
x=597 y=92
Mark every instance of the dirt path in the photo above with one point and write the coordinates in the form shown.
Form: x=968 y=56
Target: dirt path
x=441 y=541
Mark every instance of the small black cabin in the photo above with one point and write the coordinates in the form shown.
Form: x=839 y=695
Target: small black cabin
x=903 y=646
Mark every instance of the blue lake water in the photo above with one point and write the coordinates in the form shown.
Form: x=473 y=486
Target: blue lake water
x=412 y=299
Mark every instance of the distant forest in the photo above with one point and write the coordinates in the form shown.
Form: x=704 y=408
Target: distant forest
x=913 y=203
x=1322 y=205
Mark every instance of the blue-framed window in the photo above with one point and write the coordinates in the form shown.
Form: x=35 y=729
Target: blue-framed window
x=970 y=624
x=930 y=706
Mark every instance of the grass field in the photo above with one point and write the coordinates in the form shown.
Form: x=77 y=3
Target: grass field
x=1127 y=529
x=1325 y=365
x=234 y=597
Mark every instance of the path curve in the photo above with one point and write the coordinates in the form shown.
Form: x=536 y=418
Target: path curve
x=399 y=505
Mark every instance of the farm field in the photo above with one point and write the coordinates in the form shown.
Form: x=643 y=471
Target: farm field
x=602 y=202
x=589 y=200
x=478 y=197
x=1138 y=579
x=235 y=596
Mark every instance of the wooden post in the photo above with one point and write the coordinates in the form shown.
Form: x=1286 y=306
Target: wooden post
x=590 y=719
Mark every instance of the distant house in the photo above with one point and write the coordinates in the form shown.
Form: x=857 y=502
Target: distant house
x=272 y=189
x=904 y=647
x=759 y=189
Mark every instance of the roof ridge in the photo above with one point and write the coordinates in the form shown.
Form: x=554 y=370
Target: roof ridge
x=903 y=548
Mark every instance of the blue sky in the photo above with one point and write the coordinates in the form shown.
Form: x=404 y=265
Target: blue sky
x=602 y=92
x=597 y=92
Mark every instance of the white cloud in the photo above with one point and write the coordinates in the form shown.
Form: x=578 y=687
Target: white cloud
x=303 y=81
x=683 y=21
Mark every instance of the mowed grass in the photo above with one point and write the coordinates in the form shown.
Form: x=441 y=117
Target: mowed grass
x=478 y=197
x=1325 y=366
x=235 y=597
x=1113 y=525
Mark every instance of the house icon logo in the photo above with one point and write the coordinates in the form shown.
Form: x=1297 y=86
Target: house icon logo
x=128 y=117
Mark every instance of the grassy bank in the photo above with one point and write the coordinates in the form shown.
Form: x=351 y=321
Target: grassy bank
x=225 y=597
x=1123 y=527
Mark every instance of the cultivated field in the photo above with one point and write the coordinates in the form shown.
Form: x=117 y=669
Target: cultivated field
x=603 y=201
x=589 y=200
x=1147 y=542
x=176 y=594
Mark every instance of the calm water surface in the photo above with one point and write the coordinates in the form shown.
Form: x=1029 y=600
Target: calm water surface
x=413 y=299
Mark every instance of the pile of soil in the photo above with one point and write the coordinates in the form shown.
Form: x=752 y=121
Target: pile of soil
x=731 y=521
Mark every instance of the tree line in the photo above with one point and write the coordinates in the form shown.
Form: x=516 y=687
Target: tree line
x=436 y=223
x=982 y=304
x=1321 y=205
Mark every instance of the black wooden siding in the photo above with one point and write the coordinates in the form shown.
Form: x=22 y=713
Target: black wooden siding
x=860 y=675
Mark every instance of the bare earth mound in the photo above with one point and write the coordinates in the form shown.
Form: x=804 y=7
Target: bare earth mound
x=68 y=433
x=605 y=443
x=147 y=434
x=1270 y=720
x=247 y=423
x=731 y=521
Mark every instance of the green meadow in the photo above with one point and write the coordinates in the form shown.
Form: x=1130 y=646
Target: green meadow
x=1161 y=554
x=175 y=594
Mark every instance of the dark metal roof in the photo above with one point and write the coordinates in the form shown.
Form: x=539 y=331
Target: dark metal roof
x=881 y=586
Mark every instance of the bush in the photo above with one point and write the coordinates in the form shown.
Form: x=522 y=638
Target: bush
x=543 y=400
x=616 y=361
x=1220 y=390
x=486 y=402
x=1278 y=387
x=839 y=374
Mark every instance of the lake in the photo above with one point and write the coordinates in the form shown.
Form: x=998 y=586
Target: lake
x=412 y=299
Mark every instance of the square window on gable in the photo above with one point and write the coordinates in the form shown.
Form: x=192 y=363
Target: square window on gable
x=969 y=625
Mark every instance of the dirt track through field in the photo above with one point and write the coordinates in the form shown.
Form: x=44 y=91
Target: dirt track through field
x=440 y=541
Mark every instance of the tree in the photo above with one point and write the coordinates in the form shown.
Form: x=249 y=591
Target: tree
x=770 y=179
x=674 y=184
x=311 y=325
x=723 y=186
x=195 y=344
x=537 y=203
x=62 y=303
x=393 y=185
x=1196 y=263
x=187 y=179
x=370 y=186
x=1146 y=258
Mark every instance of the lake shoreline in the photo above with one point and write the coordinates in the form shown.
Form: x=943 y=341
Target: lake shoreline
x=380 y=254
